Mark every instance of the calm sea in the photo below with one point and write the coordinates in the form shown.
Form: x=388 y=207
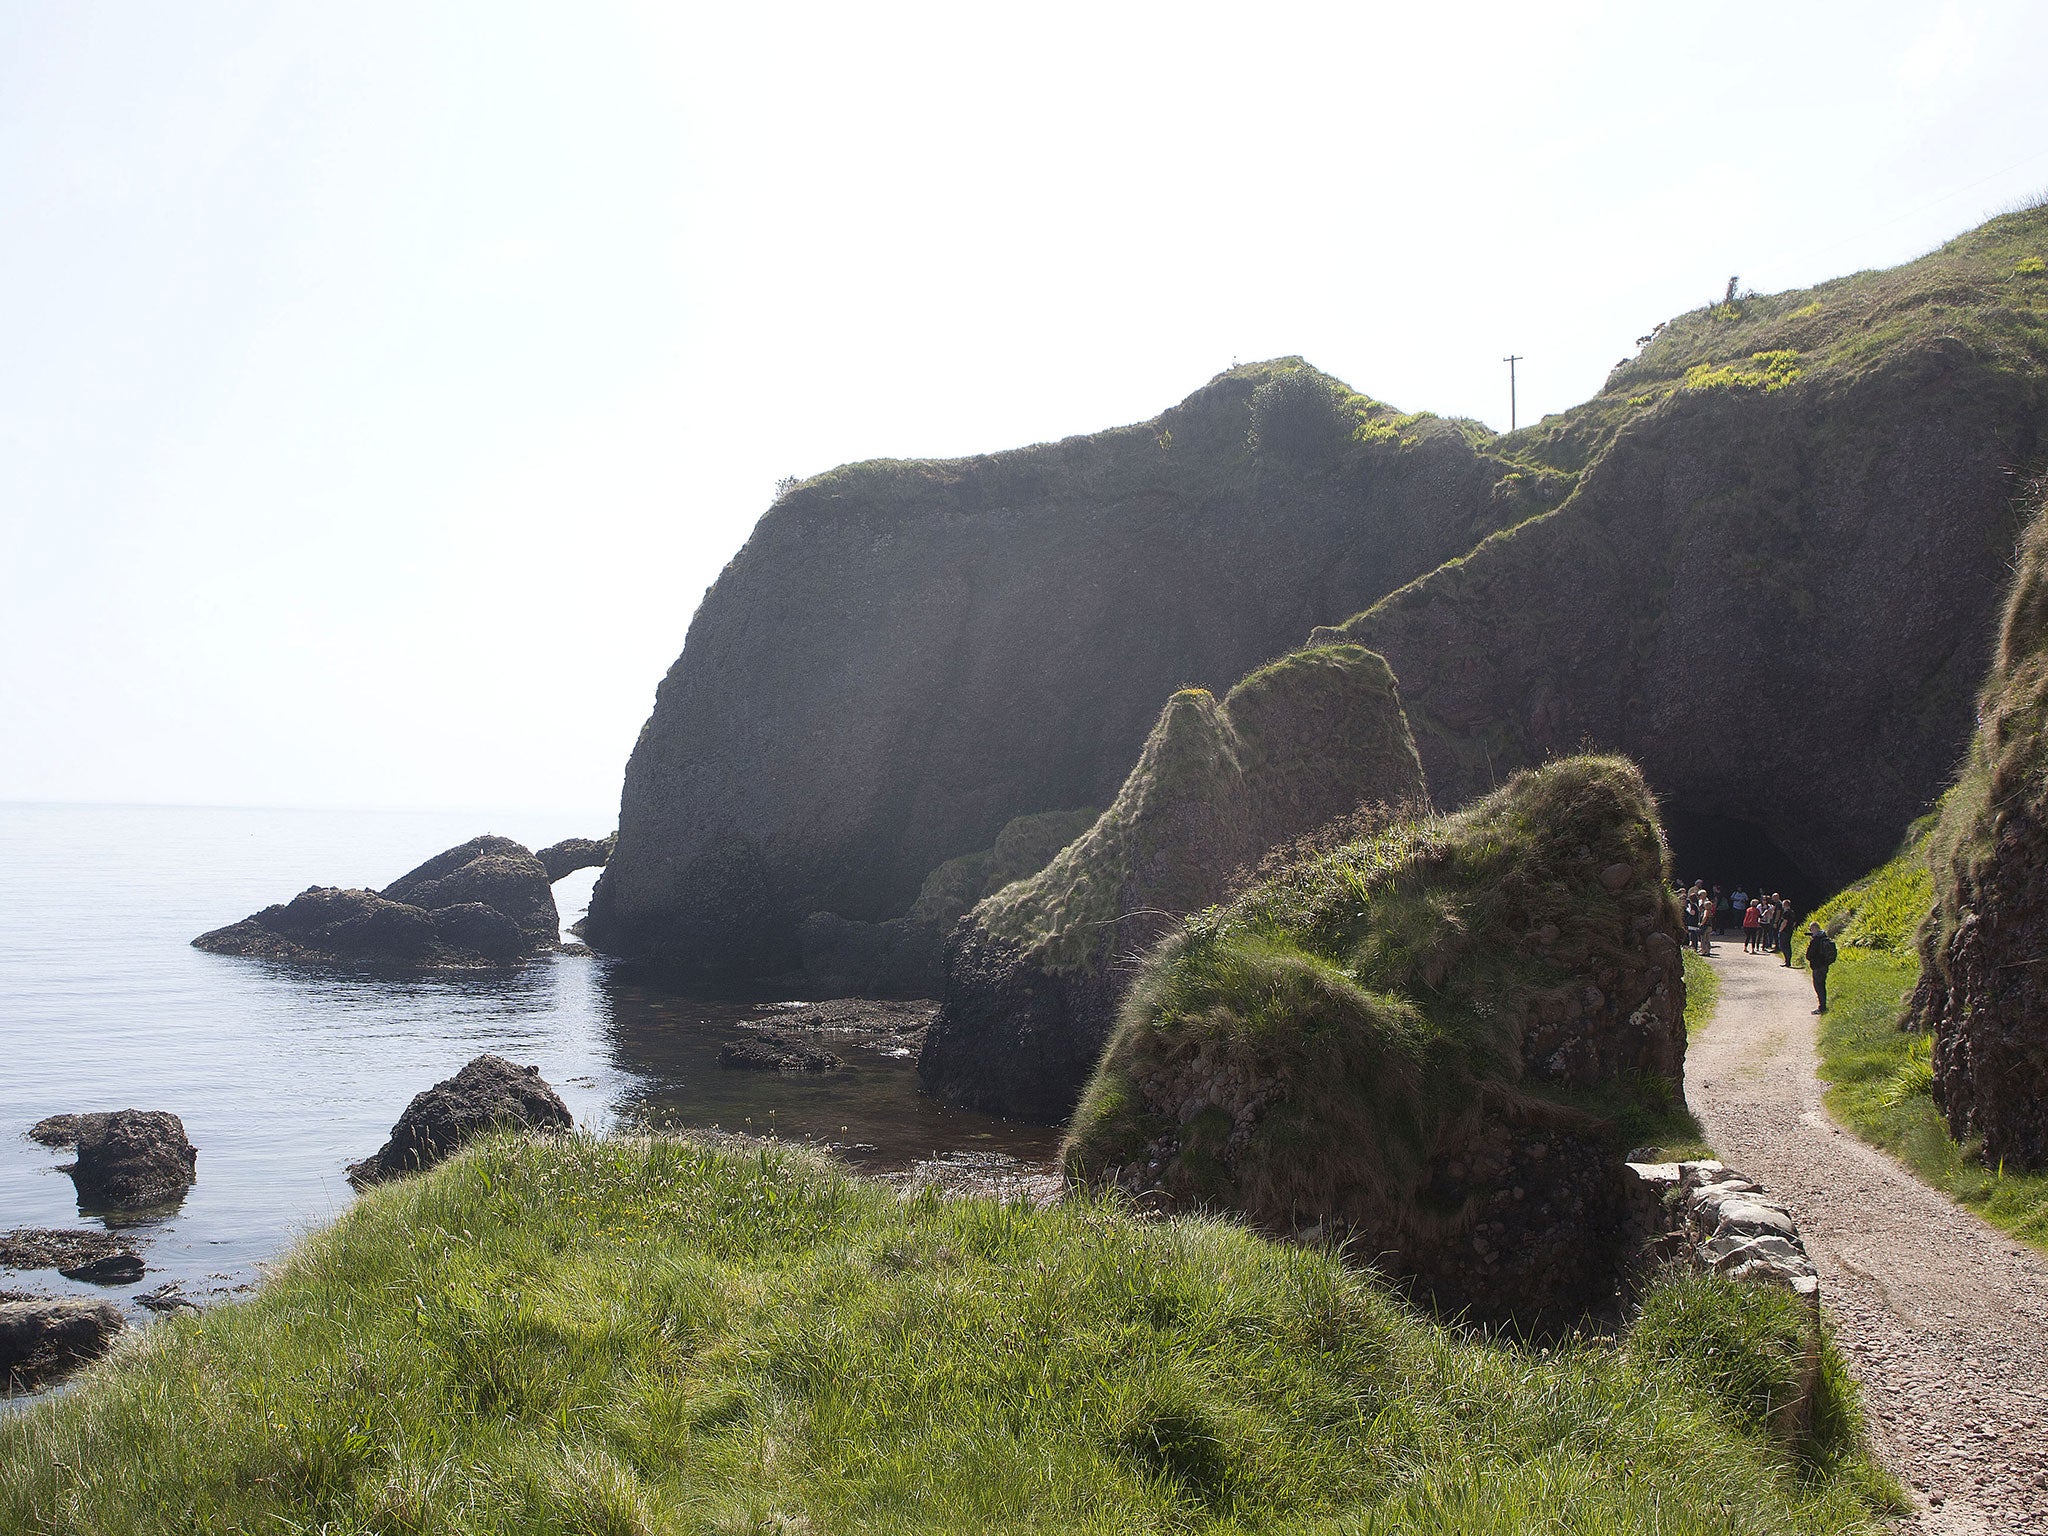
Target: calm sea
x=283 y=1077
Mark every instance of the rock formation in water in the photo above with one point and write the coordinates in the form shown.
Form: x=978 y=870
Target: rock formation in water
x=490 y=1094
x=1433 y=1045
x=574 y=853
x=1776 y=580
x=1035 y=975
x=1982 y=990
x=486 y=902
x=43 y=1338
x=127 y=1158
x=907 y=656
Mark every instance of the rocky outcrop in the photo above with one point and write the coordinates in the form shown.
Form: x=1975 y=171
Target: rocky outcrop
x=492 y=872
x=43 y=1338
x=490 y=1094
x=1982 y=990
x=127 y=1158
x=907 y=656
x=1035 y=975
x=1419 y=1045
x=574 y=853
x=486 y=902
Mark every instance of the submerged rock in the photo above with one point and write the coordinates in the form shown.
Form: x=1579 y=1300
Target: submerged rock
x=574 y=853
x=777 y=1053
x=114 y=1269
x=489 y=1094
x=44 y=1338
x=1035 y=973
x=1417 y=1045
x=132 y=1159
x=486 y=902
x=59 y=1248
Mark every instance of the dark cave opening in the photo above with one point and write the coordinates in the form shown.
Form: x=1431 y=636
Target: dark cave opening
x=1732 y=853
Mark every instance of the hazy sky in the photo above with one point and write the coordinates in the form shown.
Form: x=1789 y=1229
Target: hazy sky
x=382 y=385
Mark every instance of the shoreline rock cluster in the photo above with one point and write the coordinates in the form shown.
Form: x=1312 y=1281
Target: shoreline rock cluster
x=488 y=1094
x=486 y=903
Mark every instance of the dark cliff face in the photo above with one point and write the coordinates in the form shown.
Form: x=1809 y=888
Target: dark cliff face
x=906 y=656
x=1981 y=990
x=1778 y=603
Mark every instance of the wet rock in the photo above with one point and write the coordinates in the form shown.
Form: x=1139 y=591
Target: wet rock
x=114 y=1269
x=772 y=1053
x=133 y=1159
x=887 y=1026
x=48 y=1248
x=57 y=1130
x=574 y=853
x=489 y=1094
x=44 y=1338
x=167 y=1298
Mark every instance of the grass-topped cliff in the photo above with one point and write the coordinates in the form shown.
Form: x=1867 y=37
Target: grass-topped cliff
x=1436 y=1041
x=1035 y=974
x=908 y=655
x=1778 y=572
x=566 y=1337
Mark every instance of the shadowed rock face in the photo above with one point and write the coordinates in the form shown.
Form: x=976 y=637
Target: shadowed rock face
x=489 y=1094
x=1036 y=972
x=905 y=657
x=487 y=902
x=1982 y=990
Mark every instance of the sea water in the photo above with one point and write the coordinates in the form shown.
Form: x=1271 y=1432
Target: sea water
x=283 y=1076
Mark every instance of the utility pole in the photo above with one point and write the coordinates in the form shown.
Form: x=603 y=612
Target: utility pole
x=1511 y=360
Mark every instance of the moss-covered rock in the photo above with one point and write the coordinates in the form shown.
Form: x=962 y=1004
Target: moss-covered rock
x=1434 y=1043
x=1983 y=990
x=907 y=656
x=1035 y=974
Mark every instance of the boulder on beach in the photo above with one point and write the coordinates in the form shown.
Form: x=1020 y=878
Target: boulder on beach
x=127 y=1158
x=489 y=1094
x=574 y=853
x=486 y=902
x=44 y=1337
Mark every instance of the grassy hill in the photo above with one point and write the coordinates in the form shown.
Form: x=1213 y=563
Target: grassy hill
x=586 y=1336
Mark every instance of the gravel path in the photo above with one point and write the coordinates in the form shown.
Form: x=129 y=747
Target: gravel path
x=1945 y=1317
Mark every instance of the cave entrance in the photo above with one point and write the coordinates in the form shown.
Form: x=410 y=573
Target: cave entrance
x=1730 y=852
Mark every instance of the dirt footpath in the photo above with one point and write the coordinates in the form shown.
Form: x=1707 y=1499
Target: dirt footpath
x=1944 y=1317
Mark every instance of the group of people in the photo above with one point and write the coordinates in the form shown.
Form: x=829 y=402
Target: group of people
x=1765 y=920
x=1766 y=924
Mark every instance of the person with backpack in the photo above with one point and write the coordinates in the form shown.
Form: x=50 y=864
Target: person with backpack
x=1820 y=954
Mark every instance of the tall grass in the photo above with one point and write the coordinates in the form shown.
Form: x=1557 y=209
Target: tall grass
x=581 y=1336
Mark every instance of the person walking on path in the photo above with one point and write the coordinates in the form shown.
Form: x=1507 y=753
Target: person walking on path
x=1752 y=927
x=1785 y=930
x=1820 y=954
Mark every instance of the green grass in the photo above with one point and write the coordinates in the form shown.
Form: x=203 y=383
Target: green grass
x=591 y=1336
x=1702 y=993
x=1879 y=1076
